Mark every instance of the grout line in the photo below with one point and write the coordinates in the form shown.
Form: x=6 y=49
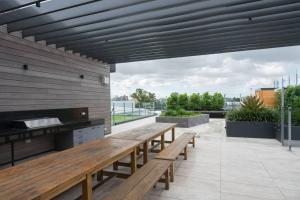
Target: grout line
x=274 y=181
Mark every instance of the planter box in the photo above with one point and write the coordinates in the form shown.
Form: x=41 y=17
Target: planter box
x=185 y=122
x=215 y=114
x=250 y=129
x=295 y=133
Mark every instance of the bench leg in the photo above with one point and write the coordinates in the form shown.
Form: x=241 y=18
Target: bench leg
x=162 y=141
x=185 y=153
x=152 y=143
x=87 y=188
x=167 y=180
x=138 y=150
x=115 y=165
x=133 y=161
x=173 y=134
x=172 y=172
x=194 y=142
x=145 y=153
x=100 y=176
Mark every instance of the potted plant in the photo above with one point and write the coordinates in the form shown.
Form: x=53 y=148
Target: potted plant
x=177 y=113
x=251 y=120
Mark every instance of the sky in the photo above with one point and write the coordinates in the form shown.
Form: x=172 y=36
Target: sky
x=232 y=74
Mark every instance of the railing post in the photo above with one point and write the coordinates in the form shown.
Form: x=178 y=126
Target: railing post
x=114 y=123
x=139 y=109
x=132 y=110
x=124 y=110
x=282 y=114
x=290 y=128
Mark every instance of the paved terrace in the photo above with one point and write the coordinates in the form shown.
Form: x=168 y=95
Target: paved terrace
x=225 y=168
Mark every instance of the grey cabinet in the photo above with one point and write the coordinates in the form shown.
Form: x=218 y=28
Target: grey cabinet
x=70 y=139
x=87 y=134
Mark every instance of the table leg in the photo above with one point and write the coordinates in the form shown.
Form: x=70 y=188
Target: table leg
x=145 y=152
x=87 y=188
x=194 y=142
x=172 y=172
x=133 y=161
x=115 y=165
x=138 y=150
x=185 y=153
x=162 y=141
x=167 y=180
x=100 y=176
x=12 y=148
x=173 y=134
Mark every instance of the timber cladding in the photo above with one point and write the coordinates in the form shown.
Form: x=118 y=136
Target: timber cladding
x=53 y=79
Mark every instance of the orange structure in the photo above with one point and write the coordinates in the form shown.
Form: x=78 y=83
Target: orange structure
x=267 y=95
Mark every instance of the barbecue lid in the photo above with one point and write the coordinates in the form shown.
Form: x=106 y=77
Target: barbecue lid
x=36 y=123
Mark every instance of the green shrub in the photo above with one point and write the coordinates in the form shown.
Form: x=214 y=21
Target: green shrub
x=195 y=102
x=218 y=101
x=265 y=115
x=206 y=101
x=183 y=101
x=172 y=101
x=252 y=110
x=252 y=103
x=292 y=98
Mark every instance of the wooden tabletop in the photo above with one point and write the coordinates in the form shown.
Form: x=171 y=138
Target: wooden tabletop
x=45 y=177
x=145 y=133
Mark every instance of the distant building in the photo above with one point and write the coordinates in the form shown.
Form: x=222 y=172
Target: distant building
x=267 y=95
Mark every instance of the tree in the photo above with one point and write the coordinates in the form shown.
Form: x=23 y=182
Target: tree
x=194 y=103
x=172 y=101
x=217 y=101
x=205 y=101
x=142 y=96
x=183 y=101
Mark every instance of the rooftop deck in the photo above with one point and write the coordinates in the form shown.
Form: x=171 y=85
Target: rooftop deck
x=225 y=168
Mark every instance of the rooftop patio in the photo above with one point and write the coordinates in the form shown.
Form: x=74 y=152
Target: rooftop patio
x=56 y=58
x=224 y=168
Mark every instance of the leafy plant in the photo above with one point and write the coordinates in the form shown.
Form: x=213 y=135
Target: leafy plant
x=264 y=115
x=205 y=101
x=252 y=110
x=195 y=102
x=218 y=101
x=292 y=99
x=172 y=101
x=252 y=103
x=183 y=101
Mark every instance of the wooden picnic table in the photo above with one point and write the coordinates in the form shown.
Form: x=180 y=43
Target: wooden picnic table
x=145 y=134
x=48 y=176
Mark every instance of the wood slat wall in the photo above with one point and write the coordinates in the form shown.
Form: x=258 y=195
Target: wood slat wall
x=52 y=80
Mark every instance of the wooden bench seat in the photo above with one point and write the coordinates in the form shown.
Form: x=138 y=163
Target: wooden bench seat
x=137 y=185
x=175 y=149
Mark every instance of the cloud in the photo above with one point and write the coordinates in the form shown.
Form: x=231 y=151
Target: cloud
x=229 y=73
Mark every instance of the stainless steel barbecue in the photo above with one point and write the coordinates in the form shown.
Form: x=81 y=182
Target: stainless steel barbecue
x=36 y=123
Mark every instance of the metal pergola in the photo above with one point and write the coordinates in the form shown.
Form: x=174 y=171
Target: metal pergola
x=118 y=31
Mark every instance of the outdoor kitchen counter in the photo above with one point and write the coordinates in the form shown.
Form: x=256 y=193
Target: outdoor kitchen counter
x=15 y=134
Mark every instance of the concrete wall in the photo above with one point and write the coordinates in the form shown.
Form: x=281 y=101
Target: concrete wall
x=52 y=79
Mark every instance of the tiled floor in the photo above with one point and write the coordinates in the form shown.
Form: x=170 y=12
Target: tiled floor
x=227 y=168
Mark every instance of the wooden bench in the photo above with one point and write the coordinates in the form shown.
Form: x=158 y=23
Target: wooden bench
x=137 y=185
x=175 y=149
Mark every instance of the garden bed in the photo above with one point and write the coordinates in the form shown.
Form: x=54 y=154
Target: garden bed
x=295 y=133
x=184 y=121
x=250 y=129
x=215 y=113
